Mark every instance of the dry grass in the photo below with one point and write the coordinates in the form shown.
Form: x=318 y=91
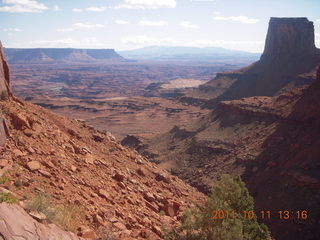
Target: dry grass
x=66 y=216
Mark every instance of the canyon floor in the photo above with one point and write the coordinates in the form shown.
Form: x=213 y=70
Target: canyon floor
x=136 y=98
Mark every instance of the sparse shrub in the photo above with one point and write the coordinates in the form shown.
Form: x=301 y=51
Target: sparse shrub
x=65 y=216
x=106 y=234
x=40 y=202
x=7 y=197
x=4 y=96
x=4 y=179
x=68 y=217
x=113 y=149
x=230 y=195
x=19 y=183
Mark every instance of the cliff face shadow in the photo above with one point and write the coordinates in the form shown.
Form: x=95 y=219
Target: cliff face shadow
x=288 y=170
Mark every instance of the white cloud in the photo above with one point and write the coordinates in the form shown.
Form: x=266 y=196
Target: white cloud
x=23 y=6
x=202 y=0
x=187 y=24
x=77 y=10
x=61 y=43
x=121 y=22
x=80 y=26
x=96 y=9
x=87 y=25
x=148 y=4
x=153 y=23
x=241 y=19
x=317 y=39
x=216 y=13
x=144 y=40
x=56 y=8
x=11 y=29
x=318 y=20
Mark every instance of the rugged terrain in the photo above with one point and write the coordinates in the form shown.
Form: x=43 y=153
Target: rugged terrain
x=114 y=187
x=124 y=98
x=289 y=51
x=271 y=141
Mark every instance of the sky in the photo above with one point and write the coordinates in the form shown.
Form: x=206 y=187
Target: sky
x=130 y=24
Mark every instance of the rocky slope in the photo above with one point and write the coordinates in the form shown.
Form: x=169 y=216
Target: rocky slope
x=287 y=170
x=272 y=142
x=289 y=54
x=49 y=55
x=15 y=223
x=115 y=188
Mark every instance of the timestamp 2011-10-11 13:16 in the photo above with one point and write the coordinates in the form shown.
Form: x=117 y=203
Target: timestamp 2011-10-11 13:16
x=262 y=214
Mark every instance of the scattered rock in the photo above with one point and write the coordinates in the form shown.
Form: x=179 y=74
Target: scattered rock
x=98 y=137
x=119 y=176
x=104 y=194
x=163 y=177
x=120 y=226
x=39 y=216
x=141 y=172
x=33 y=165
x=149 y=197
x=45 y=173
x=157 y=230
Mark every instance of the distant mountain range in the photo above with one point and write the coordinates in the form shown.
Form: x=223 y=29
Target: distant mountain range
x=157 y=53
x=35 y=55
x=186 y=53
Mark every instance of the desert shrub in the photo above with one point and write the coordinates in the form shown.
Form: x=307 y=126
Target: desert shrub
x=68 y=217
x=7 y=197
x=230 y=194
x=19 y=183
x=106 y=233
x=4 y=179
x=65 y=216
x=4 y=95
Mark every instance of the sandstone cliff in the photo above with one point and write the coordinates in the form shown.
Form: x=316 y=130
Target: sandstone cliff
x=290 y=36
x=49 y=55
x=289 y=53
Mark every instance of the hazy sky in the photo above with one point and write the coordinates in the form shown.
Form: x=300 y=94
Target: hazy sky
x=128 y=24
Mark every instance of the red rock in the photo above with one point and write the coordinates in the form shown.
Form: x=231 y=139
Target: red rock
x=104 y=194
x=16 y=222
x=88 y=234
x=141 y=172
x=157 y=230
x=45 y=173
x=120 y=226
x=119 y=177
x=98 y=137
x=152 y=207
x=97 y=219
x=149 y=197
x=33 y=165
x=171 y=209
x=163 y=177
x=122 y=185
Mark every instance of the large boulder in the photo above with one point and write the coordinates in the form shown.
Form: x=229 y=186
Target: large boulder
x=16 y=224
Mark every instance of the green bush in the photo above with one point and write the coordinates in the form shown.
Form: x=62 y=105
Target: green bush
x=229 y=195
